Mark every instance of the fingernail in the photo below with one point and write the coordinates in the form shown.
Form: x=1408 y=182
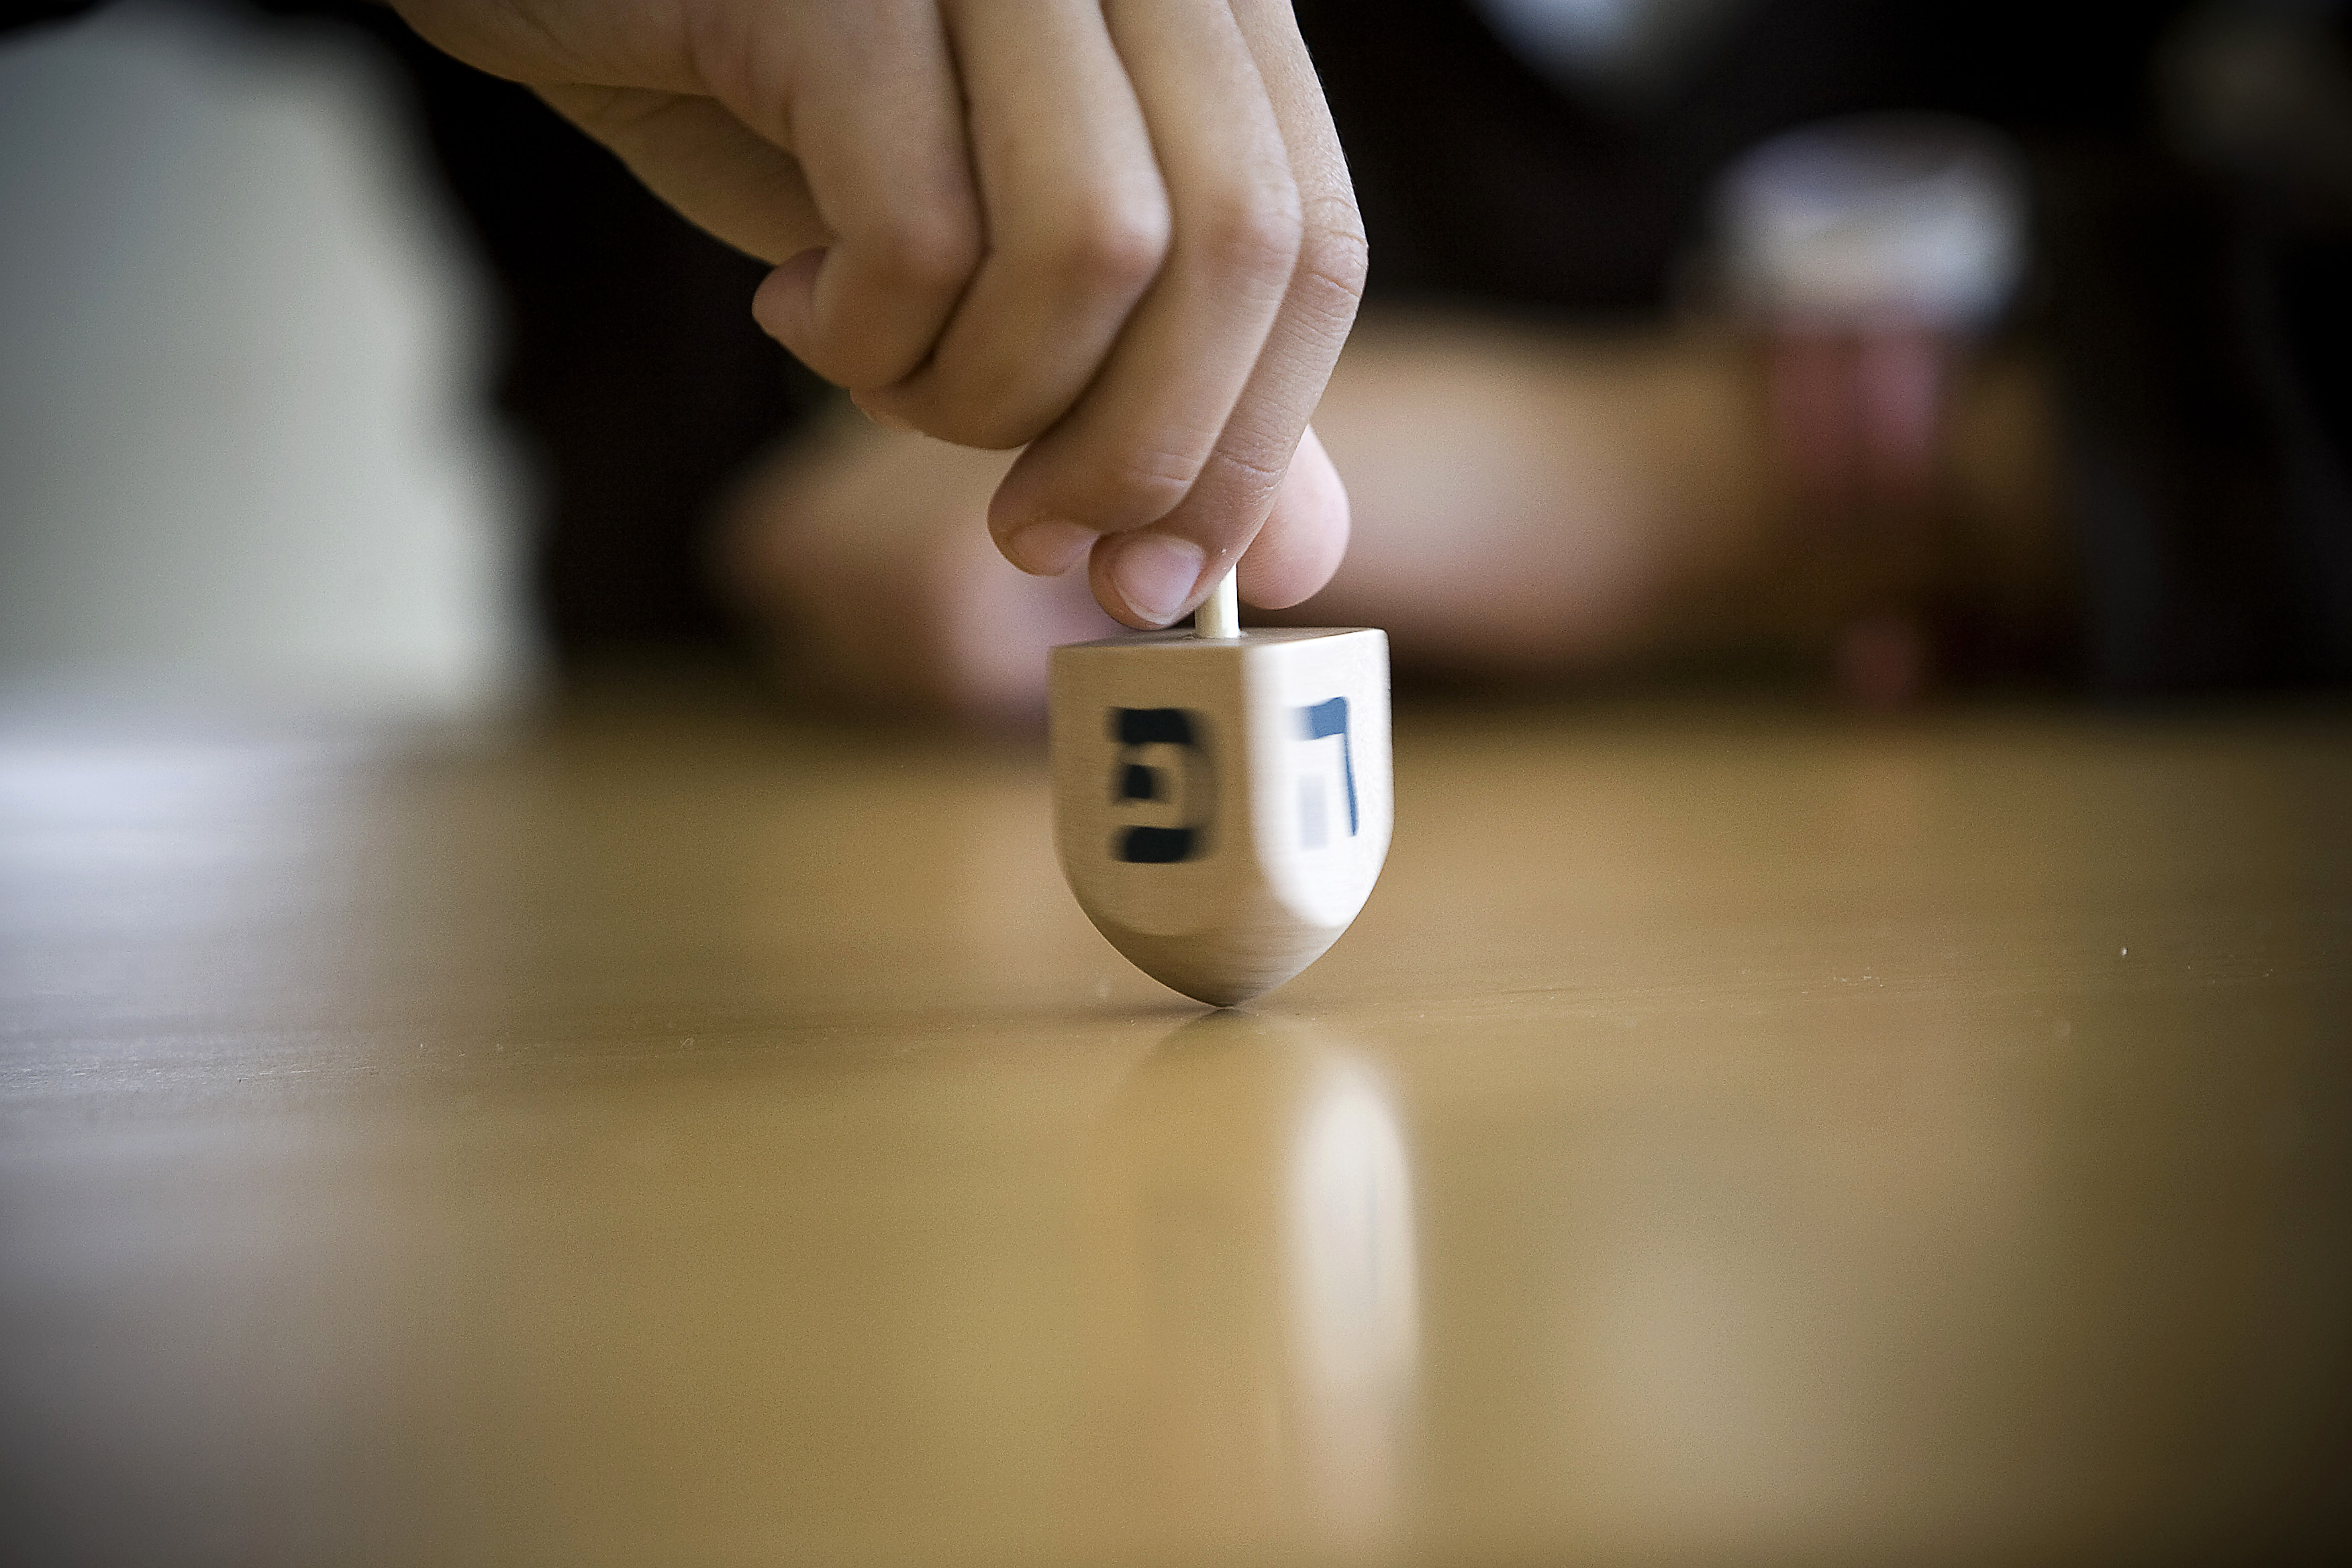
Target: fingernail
x=1050 y=548
x=1155 y=574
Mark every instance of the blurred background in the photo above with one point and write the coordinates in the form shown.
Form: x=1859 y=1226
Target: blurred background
x=2009 y=344
x=1730 y=1134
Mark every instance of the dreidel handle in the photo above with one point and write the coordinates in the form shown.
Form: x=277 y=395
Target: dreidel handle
x=1220 y=615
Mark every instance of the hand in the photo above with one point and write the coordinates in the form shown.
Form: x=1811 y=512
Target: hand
x=1119 y=233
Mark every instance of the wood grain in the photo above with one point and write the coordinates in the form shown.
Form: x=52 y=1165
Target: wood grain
x=673 y=1135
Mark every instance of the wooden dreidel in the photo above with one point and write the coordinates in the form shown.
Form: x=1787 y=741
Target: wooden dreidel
x=1221 y=798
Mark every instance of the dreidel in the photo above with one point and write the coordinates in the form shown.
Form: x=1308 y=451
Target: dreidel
x=1222 y=797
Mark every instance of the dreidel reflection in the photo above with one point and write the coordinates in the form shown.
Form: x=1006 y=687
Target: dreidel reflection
x=1254 y=1322
x=1221 y=798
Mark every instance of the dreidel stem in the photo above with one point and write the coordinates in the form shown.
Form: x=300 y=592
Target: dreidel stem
x=1220 y=615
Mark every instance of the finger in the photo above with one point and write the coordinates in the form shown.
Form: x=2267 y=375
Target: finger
x=613 y=42
x=1297 y=551
x=1077 y=221
x=1245 y=484
x=1294 y=557
x=1136 y=442
x=862 y=95
x=696 y=156
x=865 y=98
x=628 y=77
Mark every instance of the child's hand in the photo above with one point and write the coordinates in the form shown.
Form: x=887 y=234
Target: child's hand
x=1119 y=233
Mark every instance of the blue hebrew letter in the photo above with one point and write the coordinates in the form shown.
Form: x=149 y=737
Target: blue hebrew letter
x=1322 y=721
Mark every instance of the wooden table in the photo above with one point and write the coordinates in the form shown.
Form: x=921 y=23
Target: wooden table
x=671 y=1135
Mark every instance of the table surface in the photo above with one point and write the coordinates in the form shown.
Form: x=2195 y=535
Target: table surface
x=674 y=1134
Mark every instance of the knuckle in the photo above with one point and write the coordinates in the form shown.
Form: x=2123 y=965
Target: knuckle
x=929 y=250
x=1117 y=491
x=1147 y=481
x=1115 y=245
x=1254 y=236
x=1335 y=254
x=1252 y=464
x=1241 y=478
